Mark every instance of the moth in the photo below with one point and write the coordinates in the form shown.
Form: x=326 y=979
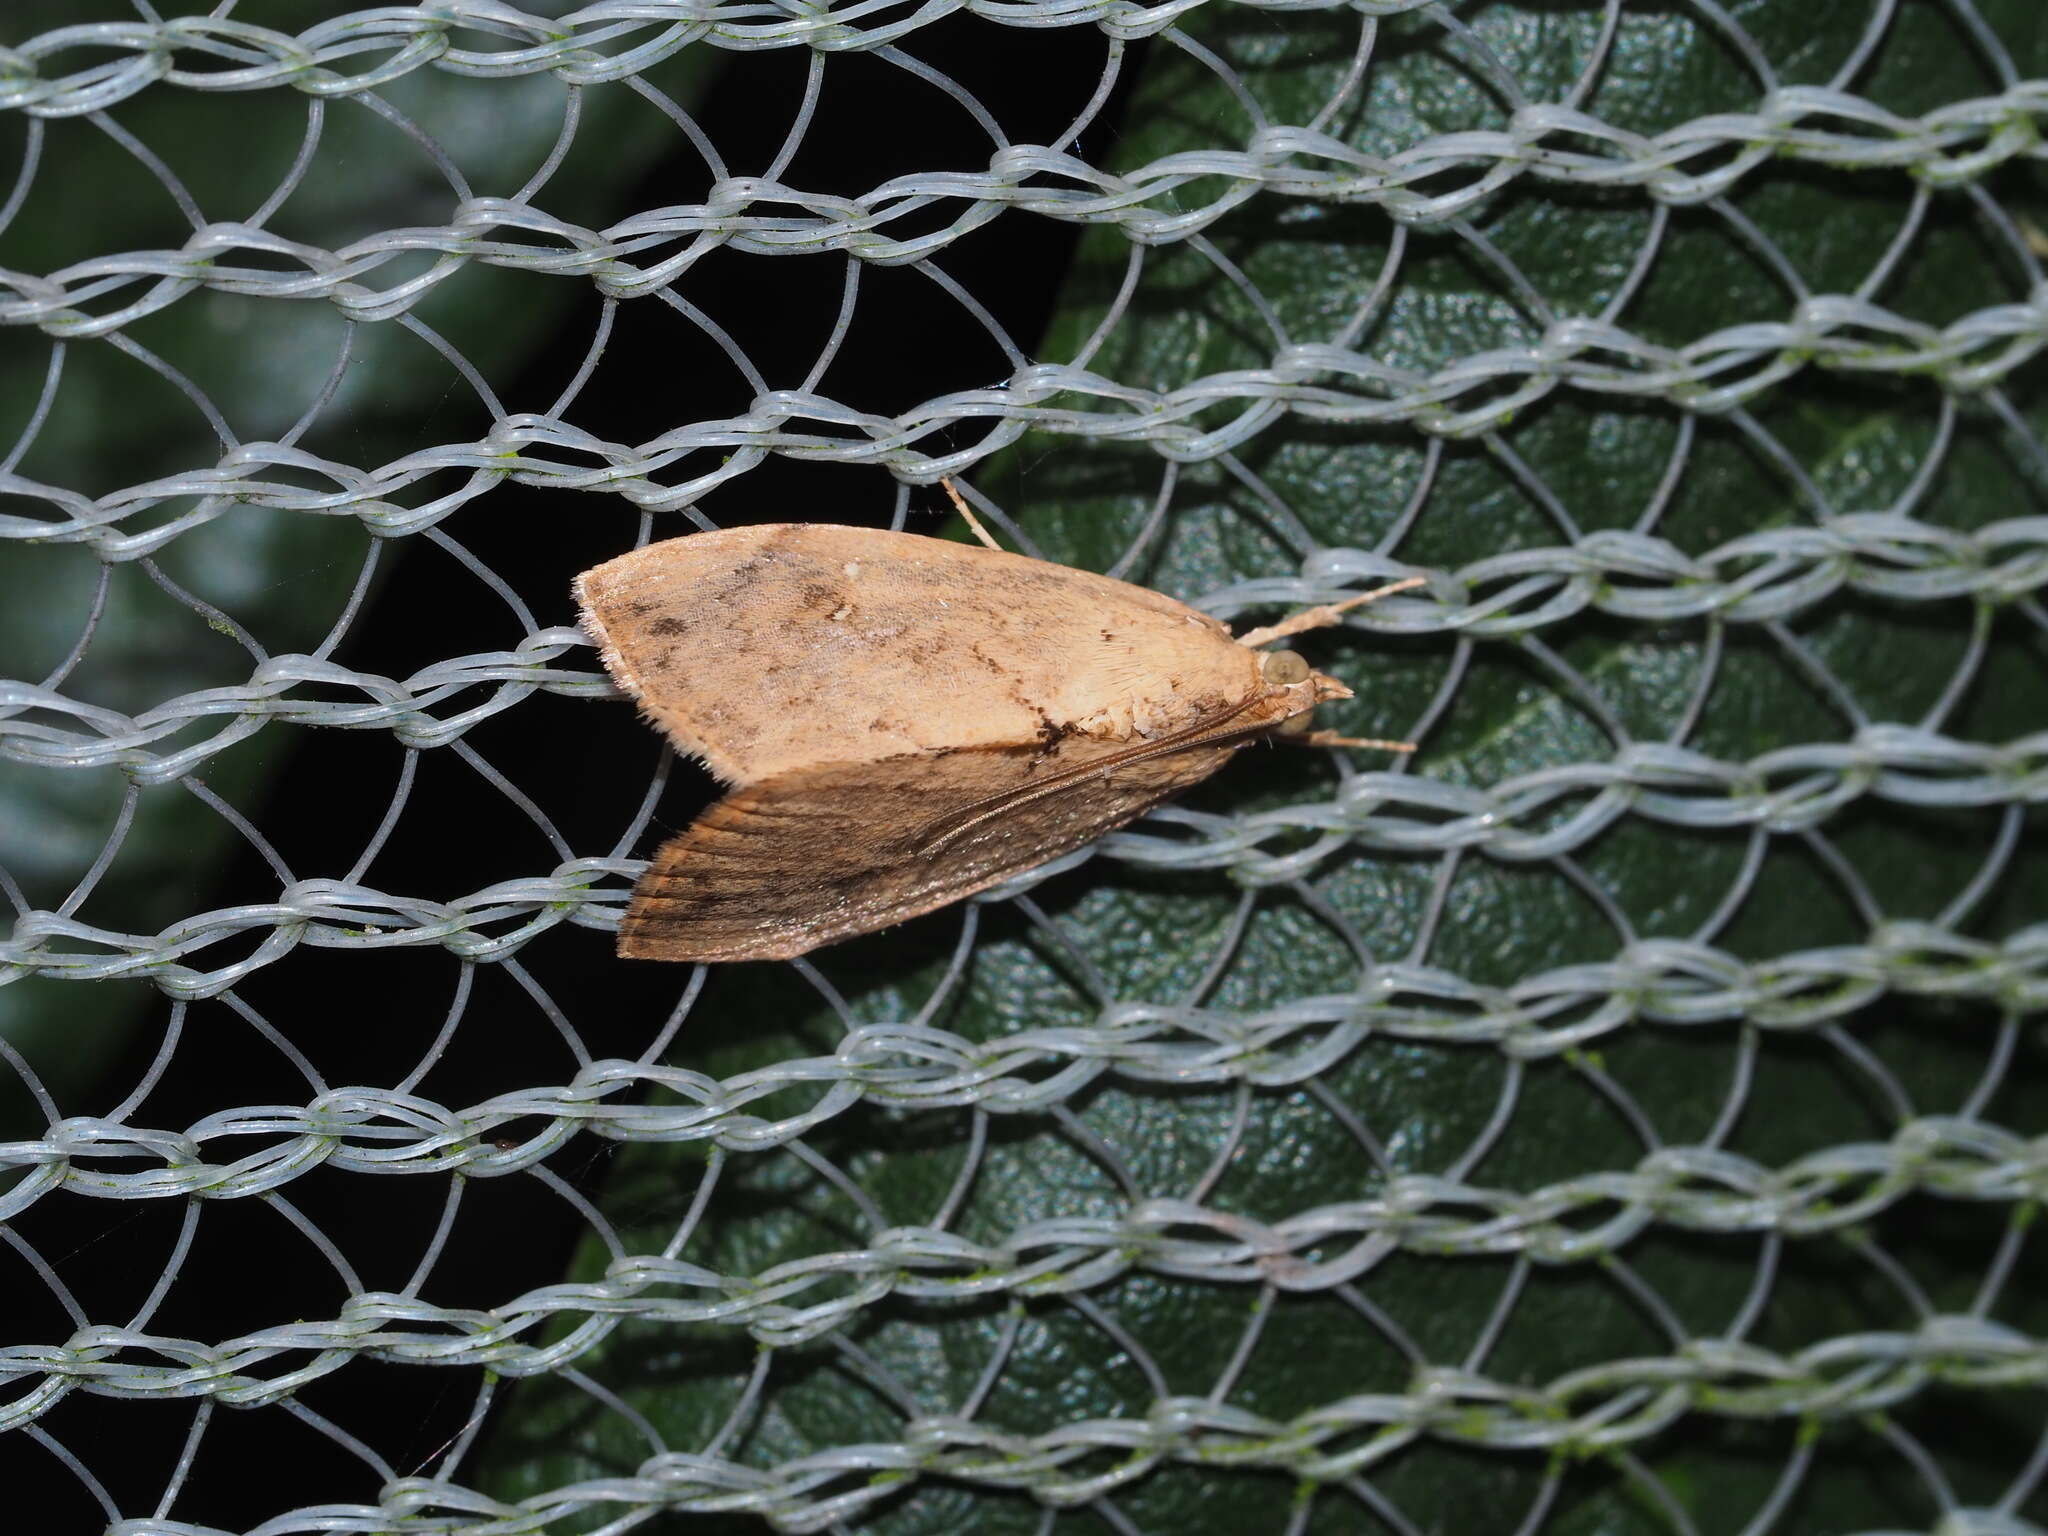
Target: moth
x=902 y=721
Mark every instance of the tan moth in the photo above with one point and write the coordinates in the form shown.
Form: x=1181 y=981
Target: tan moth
x=903 y=721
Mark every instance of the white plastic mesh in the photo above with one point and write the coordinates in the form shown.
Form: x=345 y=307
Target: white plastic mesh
x=229 y=414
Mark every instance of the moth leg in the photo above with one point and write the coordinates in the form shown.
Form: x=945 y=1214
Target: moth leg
x=967 y=512
x=1332 y=739
x=1325 y=615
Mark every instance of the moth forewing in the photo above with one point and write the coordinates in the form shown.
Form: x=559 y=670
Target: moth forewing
x=781 y=646
x=1271 y=709
x=817 y=855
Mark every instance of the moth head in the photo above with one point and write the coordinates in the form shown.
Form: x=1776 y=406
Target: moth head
x=1302 y=688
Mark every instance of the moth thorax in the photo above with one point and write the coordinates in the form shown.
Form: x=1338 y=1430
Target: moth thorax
x=1284 y=668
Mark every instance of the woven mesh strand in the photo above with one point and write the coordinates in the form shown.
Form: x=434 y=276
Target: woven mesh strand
x=1625 y=1115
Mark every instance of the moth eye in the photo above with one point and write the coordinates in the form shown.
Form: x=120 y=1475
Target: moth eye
x=1284 y=667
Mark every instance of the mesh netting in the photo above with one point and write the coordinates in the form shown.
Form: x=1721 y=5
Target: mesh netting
x=1626 y=1115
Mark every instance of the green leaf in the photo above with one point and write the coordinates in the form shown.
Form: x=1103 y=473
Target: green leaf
x=1057 y=1318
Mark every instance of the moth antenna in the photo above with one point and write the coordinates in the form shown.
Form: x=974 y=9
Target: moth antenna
x=1332 y=739
x=967 y=512
x=1326 y=615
